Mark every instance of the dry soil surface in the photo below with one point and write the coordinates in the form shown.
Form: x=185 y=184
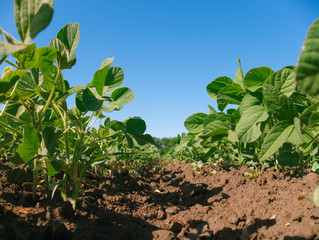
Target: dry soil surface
x=175 y=203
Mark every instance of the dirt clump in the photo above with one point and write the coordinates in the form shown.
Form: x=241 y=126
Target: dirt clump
x=175 y=203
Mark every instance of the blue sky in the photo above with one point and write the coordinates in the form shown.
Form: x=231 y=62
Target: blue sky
x=171 y=49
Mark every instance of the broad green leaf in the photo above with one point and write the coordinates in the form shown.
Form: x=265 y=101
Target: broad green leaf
x=231 y=93
x=283 y=81
x=79 y=101
x=46 y=57
x=212 y=110
x=100 y=76
x=70 y=36
x=219 y=83
x=275 y=138
x=8 y=48
x=54 y=168
x=255 y=78
x=31 y=17
x=239 y=76
x=314 y=119
x=215 y=128
x=114 y=79
x=73 y=90
x=221 y=104
x=307 y=75
x=232 y=136
x=296 y=137
x=10 y=78
x=135 y=126
x=279 y=104
x=121 y=96
x=235 y=117
x=63 y=59
x=143 y=139
x=313 y=108
x=51 y=136
x=248 y=128
x=107 y=123
x=90 y=102
x=30 y=145
x=31 y=80
x=210 y=118
x=39 y=58
x=194 y=123
x=250 y=99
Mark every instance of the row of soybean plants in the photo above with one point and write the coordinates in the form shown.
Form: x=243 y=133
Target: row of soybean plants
x=276 y=122
x=37 y=127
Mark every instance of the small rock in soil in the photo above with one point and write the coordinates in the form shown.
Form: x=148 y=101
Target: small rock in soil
x=163 y=234
x=171 y=210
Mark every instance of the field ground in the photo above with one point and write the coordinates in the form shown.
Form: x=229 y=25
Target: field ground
x=175 y=203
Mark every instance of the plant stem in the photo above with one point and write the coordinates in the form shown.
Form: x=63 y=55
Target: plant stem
x=48 y=102
x=7 y=103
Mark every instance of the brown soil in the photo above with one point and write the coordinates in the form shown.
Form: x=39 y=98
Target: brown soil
x=175 y=203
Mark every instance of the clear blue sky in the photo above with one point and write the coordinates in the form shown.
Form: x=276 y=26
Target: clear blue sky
x=171 y=49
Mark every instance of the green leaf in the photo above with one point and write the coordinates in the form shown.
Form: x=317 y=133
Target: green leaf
x=31 y=17
x=114 y=79
x=54 y=168
x=100 y=76
x=307 y=75
x=51 y=136
x=11 y=45
x=135 y=126
x=283 y=81
x=275 y=138
x=231 y=93
x=219 y=83
x=8 y=48
x=212 y=110
x=194 y=123
x=63 y=58
x=121 y=96
x=250 y=99
x=30 y=84
x=279 y=104
x=239 y=76
x=248 y=128
x=143 y=139
x=313 y=108
x=90 y=102
x=38 y=58
x=232 y=136
x=314 y=119
x=46 y=57
x=216 y=128
x=256 y=77
x=70 y=37
x=296 y=137
x=30 y=145
x=79 y=101
x=10 y=78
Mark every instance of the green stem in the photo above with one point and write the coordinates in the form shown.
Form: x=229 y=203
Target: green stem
x=52 y=93
x=11 y=128
x=7 y=103
x=10 y=63
x=312 y=137
x=2 y=59
x=35 y=178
